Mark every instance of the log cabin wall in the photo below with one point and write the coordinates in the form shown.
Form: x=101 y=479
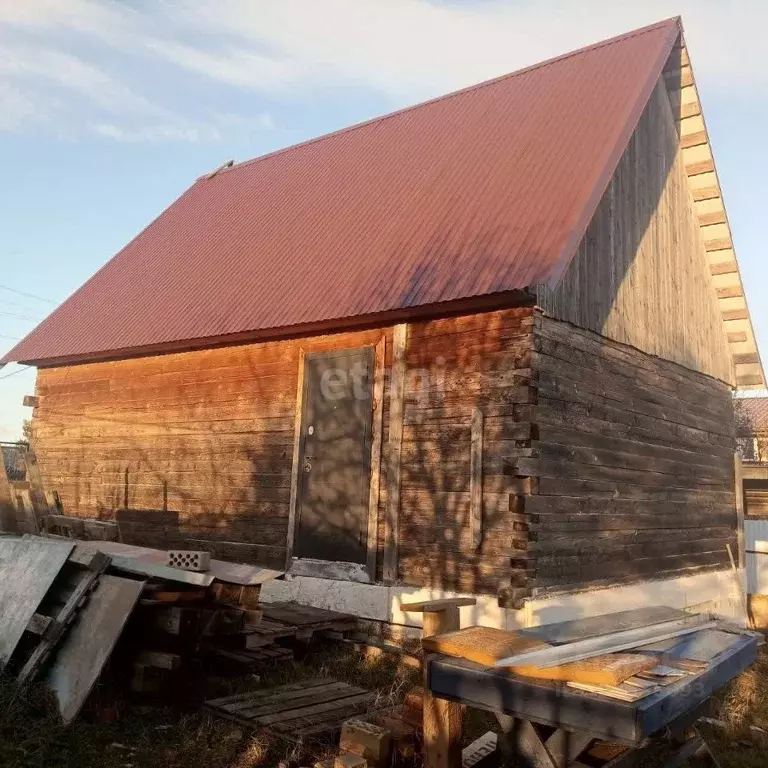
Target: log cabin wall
x=183 y=448
x=641 y=275
x=634 y=460
x=195 y=449
x=457 y=366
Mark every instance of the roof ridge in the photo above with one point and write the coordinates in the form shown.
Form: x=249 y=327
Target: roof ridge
x=451 y=94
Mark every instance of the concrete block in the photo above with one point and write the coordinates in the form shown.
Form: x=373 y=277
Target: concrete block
x=189 y=560
x=350 y=761
x=370 y=741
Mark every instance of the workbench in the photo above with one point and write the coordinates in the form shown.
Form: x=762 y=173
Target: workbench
x=551 y=725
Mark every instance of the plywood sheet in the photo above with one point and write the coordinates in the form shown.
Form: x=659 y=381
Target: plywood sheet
x=27 y=570
x=86 y=648
x=484 y=645
x=596 y=626
x=611 y=669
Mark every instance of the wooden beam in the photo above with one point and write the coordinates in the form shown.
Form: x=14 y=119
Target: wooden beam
x=376 y=436
x=705 y=193
x=735 y=314
x=693 y=139
x=720 y=244
x=715 y=217
x=723 y=268
x=690 y=109
x=476 y=479
x=442 y=720
x=731 y=292
x=396 y=413
x=36 y=488
x=746 y=358
x=736 y=338
x=293 y=503
x=435 y=606
x=7 y=501
x=749 y=380
x=739 y=503
x=30 y=401
x=696 y=169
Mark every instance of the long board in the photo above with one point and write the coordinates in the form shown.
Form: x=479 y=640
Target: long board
x=87 y=646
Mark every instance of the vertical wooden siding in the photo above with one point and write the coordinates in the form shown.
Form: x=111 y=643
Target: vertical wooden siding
x=634 y=461
x=641 y=275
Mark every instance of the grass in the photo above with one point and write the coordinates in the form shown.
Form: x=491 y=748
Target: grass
x=147 y=736
x=151 y=736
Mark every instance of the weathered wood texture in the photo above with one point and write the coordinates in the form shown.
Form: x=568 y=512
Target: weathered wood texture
x=183 y=449
x=194 y=450
x=634 y=461
x=641 y=275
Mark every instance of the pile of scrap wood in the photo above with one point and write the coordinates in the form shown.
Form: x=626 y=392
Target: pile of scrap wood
x=65 y=604
x=625 y=656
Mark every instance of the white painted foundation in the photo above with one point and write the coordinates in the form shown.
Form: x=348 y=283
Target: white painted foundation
x=716 y=591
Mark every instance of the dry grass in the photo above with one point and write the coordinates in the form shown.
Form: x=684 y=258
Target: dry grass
x=145 y=736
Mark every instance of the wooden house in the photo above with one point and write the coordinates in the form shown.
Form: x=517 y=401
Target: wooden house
x=484 y=345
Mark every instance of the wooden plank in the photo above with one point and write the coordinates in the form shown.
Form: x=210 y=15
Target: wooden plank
x=394 y=469
x=738 y=498
x=476 y=479
x=442 y=719
x=597 y=626
x=612 y=643
x=696 y=169
x=36 y=488
x=705 y=193
x=700 y=646
x=28 y=568
x=293 y=505
x=376 y=441
x=484 y=645
x=435 y=606
x=86 y=648
x=7 y=502
x=724 y=268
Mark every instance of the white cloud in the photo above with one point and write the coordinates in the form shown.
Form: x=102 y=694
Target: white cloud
x=102 y=65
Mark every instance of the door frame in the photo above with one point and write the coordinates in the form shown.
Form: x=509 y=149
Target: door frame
x=322 y=568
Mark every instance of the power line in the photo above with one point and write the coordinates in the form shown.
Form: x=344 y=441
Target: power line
x=28 y=295
x=22 y=317
x=21 y=370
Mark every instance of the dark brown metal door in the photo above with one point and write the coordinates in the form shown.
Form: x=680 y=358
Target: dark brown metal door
x=335 y=455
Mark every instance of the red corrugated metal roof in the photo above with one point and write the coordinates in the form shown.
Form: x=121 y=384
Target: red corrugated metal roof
x=482 y=191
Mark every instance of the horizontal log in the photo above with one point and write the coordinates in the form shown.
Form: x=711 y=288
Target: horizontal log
x=693 y=139
x=746 y=358
x=696 y=169
x=609 y=457
x=735 y=314
x=705 y=193
x=558 y=468
x=724 y=268
x=718 y=244
x=623 y=489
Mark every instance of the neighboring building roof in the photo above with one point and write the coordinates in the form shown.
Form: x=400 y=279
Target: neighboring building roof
x=751 y=415
x=465 y=199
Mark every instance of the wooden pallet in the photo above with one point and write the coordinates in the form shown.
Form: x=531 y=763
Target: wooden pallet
x=251 y=659
x=309 y=708
x=68 y=594
x=306 y=617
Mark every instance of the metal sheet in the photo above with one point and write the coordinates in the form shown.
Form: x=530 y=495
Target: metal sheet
x=478 y=193
x=27 y=570
x=756 y=538
x=89 y=643
x=231 y=573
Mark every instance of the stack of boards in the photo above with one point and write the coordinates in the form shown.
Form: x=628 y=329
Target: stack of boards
x=626 y=656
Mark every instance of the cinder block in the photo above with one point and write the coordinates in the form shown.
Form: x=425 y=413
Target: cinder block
x=370 y=741
x=189 y=560
x=350 y=761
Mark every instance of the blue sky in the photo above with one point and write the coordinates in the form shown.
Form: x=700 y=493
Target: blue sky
x=109 y=110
